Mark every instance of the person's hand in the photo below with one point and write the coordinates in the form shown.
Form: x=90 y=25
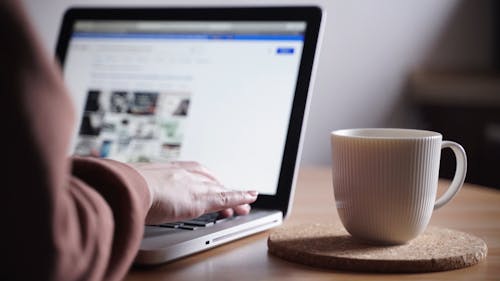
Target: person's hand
x=186 y=190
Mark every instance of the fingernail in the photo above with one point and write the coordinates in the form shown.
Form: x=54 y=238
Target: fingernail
x=253 y=193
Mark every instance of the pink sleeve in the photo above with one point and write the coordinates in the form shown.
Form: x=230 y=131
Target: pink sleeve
x=62 y=218
x=115 y=208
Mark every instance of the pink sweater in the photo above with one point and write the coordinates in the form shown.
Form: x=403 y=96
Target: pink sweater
x=62 y=218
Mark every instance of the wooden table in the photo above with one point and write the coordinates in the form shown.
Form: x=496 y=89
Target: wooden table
x=475 y=210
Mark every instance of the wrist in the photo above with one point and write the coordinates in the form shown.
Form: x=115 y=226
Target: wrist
x=150 y=182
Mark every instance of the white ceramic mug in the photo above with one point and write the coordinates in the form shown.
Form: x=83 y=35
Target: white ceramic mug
x=385 y=181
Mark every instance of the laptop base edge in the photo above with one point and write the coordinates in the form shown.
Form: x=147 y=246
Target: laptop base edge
x=160 y=255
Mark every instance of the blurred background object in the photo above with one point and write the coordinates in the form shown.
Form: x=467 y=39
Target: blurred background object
x=380 y=65
x=464 y=107
x=463 y=100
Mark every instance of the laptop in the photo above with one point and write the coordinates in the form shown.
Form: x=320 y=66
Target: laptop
x=226 y=87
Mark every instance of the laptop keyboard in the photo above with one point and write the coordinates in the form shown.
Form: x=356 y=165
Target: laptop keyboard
x=203 y=221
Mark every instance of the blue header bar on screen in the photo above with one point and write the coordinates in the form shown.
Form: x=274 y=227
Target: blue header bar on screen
x=263 y=37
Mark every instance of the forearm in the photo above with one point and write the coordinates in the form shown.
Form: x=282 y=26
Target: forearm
x=127 y=195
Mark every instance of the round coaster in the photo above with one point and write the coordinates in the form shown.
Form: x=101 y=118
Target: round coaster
x=329 y=246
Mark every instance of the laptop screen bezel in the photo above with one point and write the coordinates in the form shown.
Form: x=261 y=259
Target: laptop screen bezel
x=310 y=15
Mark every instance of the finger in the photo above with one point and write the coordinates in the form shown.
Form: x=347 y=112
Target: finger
x=226 y=213
x=242 y=210
x=228 y=199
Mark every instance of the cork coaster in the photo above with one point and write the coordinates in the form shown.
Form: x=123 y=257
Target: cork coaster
x=329 y=246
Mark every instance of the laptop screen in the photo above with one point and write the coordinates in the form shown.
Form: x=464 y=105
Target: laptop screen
x=216 y=92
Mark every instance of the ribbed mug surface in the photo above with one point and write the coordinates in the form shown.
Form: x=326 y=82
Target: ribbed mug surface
x=385 y=182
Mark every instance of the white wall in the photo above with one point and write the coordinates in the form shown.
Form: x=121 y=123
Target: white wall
x=369 y=49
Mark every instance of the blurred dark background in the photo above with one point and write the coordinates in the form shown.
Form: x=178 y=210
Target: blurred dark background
x=464 y=104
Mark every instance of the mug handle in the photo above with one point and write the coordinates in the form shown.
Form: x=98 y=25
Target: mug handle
x=458 y=179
